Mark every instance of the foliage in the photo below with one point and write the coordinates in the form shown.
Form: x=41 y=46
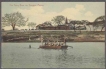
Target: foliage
x=86 y=23
x=13 y=19
x=99 y=22
x=58 y=19
x=47 y=23
x=31 y=24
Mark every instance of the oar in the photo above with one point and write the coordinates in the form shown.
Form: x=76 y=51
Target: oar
x=70 y=46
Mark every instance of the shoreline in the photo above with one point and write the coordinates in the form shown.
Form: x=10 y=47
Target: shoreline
x=67 y=42
x=34 y=37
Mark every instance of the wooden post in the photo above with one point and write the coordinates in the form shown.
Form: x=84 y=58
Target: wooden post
x=65 y=40
x=42 y=40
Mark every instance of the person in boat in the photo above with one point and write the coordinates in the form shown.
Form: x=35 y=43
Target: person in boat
x=45 y=43
x=49 y=44
x=62 y=43
x=59 y=44
x=52 y=44
x=55 y=44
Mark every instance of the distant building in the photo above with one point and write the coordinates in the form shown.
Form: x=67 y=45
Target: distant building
x=59 y=27
x=66 y=26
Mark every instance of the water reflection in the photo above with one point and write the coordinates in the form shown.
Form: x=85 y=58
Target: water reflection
x=63 y=59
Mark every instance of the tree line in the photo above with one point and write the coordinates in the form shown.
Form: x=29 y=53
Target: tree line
x=17 y=19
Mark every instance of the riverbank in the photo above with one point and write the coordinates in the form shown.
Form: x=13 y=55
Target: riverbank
x=34 y=36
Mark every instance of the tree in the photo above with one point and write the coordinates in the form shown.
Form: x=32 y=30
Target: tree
x=73 y=22
x=31 y=24
x=58 y=19
x=79 y=23
x=47 y=23
x=99 y=22
x=14 y=19
x=86 y=23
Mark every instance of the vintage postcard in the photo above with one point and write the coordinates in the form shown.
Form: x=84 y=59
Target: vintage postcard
x=53 y=34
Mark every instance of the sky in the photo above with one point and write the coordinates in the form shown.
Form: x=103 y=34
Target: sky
x=39 y=12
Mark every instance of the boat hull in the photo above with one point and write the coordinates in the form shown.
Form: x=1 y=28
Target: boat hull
x=53 y=47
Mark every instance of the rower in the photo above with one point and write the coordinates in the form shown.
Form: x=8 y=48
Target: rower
x=62 y=43
x=59 y=44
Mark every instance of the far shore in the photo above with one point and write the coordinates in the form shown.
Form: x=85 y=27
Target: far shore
x=34 y=36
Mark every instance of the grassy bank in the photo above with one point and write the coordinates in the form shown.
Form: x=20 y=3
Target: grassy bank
x=34 y=36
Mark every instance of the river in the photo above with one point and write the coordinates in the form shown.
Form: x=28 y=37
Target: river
x=82 y=55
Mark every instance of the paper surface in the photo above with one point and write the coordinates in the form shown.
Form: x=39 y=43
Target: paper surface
x=53 y=35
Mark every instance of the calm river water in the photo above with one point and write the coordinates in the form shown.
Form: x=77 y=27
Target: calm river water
x=82 y=55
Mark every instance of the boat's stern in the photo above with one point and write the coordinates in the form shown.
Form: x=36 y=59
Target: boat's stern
x=64 y=47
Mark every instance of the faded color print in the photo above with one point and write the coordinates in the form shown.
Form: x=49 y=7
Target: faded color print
x=53 y=34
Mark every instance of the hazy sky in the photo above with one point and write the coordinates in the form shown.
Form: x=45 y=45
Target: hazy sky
x=40 y=12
